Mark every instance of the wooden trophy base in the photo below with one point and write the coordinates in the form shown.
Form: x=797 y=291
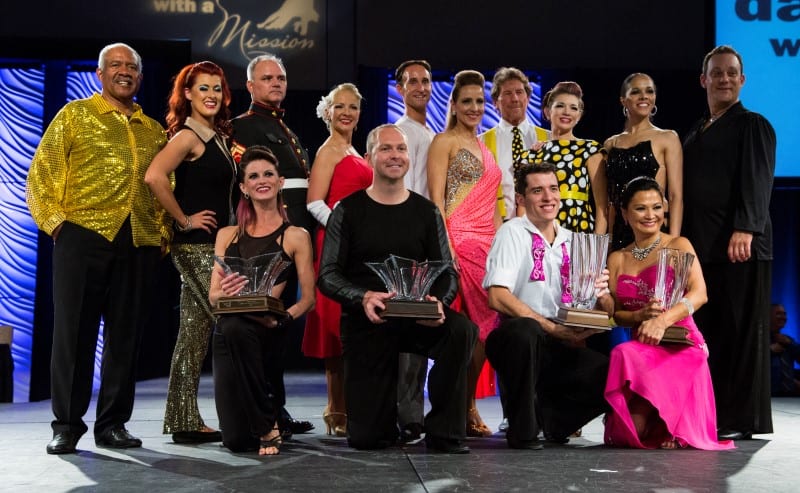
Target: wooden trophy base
x=584 y=319
x=255 y=303
x=420 y=310
x=676 y=335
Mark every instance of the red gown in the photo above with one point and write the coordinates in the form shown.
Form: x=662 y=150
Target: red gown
x=321 y=338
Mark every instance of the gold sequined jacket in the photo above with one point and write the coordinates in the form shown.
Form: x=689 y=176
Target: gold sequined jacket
x=89 y=170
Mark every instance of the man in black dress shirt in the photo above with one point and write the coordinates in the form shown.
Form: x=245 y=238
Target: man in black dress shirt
x=729 y=164
x=263 y=124
x=368 y=226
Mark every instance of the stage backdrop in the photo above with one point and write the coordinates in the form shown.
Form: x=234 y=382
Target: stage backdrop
x=228 y=32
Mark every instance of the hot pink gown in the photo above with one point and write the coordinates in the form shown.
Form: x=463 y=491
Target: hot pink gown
x=470 y=202
x=674 y=378
x=321 y=338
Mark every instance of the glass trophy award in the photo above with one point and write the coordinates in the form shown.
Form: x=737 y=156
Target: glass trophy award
x=261 y=272
x=672 y=275
x=410 y=281
x=587 y=260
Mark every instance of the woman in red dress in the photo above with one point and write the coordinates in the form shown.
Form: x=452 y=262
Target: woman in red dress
x=338 y=171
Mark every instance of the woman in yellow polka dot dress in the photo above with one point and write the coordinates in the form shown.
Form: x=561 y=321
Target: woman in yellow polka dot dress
x=579 y=162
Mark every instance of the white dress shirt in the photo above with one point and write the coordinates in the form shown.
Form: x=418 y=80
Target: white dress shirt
x=510 y=263
x=503 y=157
x=419 y=140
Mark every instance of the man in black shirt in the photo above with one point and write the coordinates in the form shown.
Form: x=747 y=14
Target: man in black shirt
x=368 y=226
x=729 y=164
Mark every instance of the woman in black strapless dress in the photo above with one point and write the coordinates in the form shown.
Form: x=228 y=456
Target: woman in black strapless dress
x=642 y=149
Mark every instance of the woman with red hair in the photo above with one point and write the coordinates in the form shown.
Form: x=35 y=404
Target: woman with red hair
x=197 y=159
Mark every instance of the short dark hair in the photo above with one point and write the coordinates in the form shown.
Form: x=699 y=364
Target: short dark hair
x=722 y=50
x=521 y=174
x=398 y=74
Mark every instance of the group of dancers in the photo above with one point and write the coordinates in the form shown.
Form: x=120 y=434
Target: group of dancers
x=504 y=205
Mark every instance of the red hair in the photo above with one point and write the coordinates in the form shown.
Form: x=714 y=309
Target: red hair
x=180 y=107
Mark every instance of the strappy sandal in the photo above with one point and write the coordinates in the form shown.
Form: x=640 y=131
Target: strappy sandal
x=275 y=442
x=671 y=444
x=476 y=428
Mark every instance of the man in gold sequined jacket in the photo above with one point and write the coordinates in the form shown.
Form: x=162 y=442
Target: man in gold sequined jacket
x=85 y=188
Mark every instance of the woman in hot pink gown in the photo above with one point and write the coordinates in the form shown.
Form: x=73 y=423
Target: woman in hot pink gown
x=463 y=179
x=660 y=394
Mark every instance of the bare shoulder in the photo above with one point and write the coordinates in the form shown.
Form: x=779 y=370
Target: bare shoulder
x=297 y=233
x=680 y=243
x=608 y=144
x=666 y=136
x=224 y=237
x=615 y=259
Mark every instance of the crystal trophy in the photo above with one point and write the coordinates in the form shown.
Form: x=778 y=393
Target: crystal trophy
x=261 y=272
x=410 y=281
x=672 y=276
x=587 y=259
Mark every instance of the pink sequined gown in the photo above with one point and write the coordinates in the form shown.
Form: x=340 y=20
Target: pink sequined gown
x=470 y=201
x=674 y=378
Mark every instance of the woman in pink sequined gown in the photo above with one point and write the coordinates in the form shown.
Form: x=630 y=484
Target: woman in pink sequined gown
x=660 y=394
x=338 y=171
x=463 y=179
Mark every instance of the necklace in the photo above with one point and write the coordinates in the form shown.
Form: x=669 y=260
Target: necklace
x=716 y=116
x=642 y=253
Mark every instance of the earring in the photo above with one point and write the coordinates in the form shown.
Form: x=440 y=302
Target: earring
x=625 y=112
x=654 y=110
x=246 y=196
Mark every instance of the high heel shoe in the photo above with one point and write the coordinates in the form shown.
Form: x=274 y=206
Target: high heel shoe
x=475 y=425
x=335 y=423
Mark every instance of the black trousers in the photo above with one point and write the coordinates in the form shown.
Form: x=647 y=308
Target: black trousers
x=94 y=278
x=243 y=351
x=546 y=384
x=735 y=324
x=370 y=355
x=295 y=203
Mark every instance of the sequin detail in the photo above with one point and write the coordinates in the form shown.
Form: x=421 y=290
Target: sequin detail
x=463 y=173
x=99 y=182
x=194 y=263
x=622 y=166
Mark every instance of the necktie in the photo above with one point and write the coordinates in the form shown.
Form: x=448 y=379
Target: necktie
x=517 y=146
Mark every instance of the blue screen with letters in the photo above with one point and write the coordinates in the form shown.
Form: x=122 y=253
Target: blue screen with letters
x=767 y=35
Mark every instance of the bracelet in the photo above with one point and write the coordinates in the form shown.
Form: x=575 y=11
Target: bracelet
x=185 y=228
x=688 y=304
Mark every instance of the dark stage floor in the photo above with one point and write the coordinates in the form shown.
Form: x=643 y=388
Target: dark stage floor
x=314 y=462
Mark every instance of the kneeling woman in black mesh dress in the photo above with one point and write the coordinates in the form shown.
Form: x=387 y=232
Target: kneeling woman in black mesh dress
x=245 y=346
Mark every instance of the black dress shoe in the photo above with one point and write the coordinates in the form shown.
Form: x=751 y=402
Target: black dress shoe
x=733 y=435
x=534 y=444
x=412 y=433
x=117 y=438
x=558 y=438
x=446 y=445
x=63 y=443
x=196 y=436
x=297 y=426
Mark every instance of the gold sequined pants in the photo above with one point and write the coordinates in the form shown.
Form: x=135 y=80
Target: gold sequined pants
x=194 y=263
